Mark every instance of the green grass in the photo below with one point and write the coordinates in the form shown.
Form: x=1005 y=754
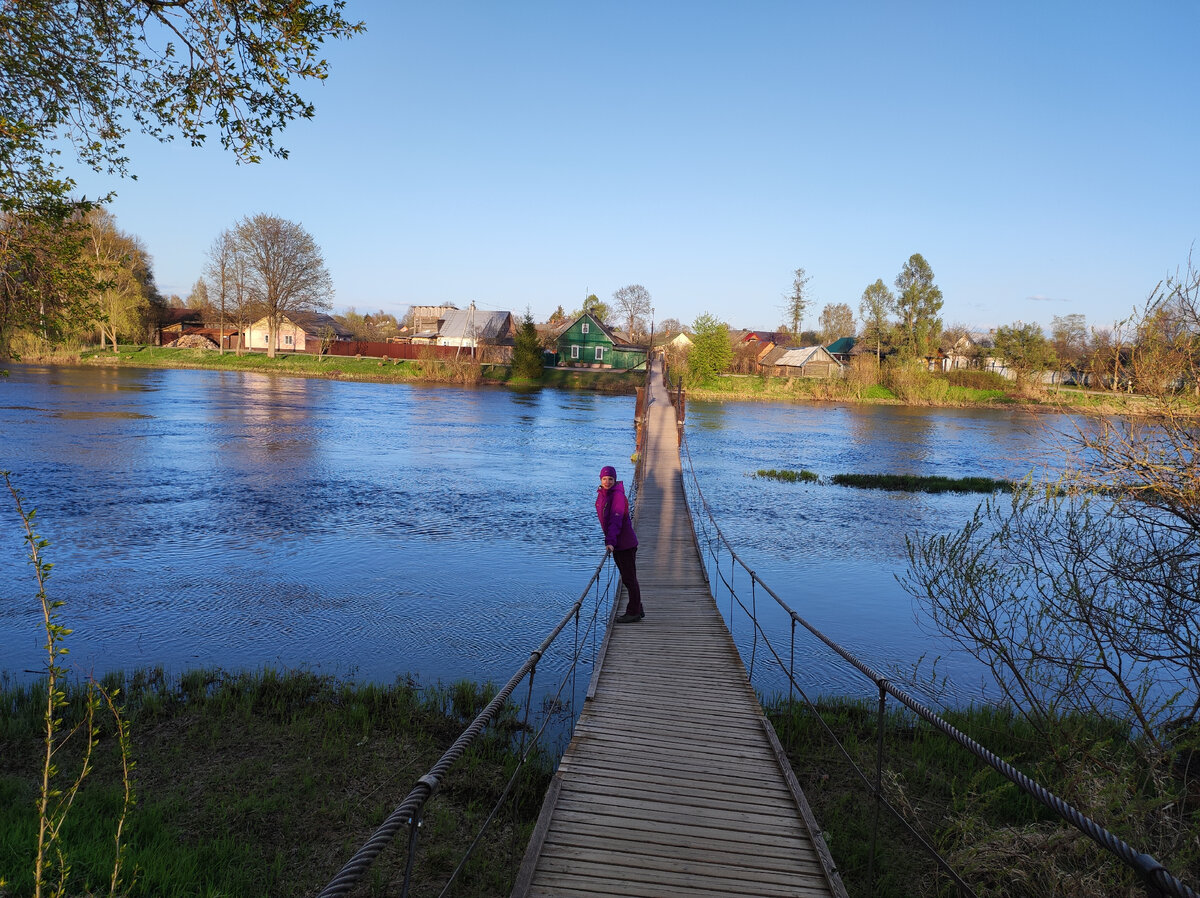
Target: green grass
x=788 y=476
x=365 y=369
x=265 y=784
x=999 y=839
x=910 y=483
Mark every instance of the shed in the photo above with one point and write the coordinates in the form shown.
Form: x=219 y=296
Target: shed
x=812 y=361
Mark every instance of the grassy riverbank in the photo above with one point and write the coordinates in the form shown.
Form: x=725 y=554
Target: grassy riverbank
x=266 y=784
x=440 y=371
x=978 y=389
x=1000 y=840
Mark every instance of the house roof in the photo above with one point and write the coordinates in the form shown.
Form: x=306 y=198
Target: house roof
x=316 y=322
x=798 y=358
x=841 y=346
x=604 y=328
x=764 y=337
x=680 y=339
x=312 y=323
x=475 y=324
x=772 y=355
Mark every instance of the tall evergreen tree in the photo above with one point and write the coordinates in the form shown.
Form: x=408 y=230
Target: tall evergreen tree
x=527 y=350
x=918 y=303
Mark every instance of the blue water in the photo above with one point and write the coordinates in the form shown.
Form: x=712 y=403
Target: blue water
x=240 y=520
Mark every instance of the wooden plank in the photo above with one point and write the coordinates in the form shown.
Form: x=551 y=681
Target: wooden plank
x=671 y=785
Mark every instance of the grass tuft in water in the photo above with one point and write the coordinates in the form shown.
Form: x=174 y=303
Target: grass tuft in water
x=910 y=483
x=788 y=476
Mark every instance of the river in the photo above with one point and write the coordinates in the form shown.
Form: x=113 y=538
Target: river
x=204 y=518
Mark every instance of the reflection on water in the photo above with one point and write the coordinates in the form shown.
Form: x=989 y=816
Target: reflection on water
x=221 y=518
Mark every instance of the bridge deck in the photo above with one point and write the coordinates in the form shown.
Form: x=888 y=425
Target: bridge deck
x=672 y=784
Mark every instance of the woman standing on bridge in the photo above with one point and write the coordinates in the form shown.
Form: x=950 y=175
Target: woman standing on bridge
x=613 y=510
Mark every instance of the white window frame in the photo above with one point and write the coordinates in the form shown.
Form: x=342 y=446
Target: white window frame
x=583 y=328
x=599 y=353
x=574 y=352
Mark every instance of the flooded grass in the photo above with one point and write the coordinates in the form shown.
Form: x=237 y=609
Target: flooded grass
x=911 y=483
x=267 y=783
x=788 y=476
x=908 y=483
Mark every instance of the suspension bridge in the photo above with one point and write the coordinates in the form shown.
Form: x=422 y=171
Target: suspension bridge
x=674 y=783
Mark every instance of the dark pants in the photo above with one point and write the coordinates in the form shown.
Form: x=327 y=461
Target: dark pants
x=626 y=560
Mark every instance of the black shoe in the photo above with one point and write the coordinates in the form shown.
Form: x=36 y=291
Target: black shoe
x=630 y=618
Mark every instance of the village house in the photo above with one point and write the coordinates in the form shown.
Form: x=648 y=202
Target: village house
x=476 y=330
x=305 y=334
x=587 y=343
x=971 y=350
x=811 y=361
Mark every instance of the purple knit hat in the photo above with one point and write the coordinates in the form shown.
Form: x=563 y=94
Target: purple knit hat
x=608 y=471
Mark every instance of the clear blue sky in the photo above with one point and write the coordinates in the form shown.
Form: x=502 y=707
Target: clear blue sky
x=1043 y=157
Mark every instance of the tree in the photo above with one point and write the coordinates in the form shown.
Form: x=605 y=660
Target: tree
x=527 y=360
x=558 y=317
x=1024 y=349
x=1069 y=336
x=124 y=281
x=798 y=301
x=634 y=302
x=225 y=271
x=198 y=299
x=669 y=327
x=918 y=304
x=593 y=305
x=1166 y=351
x=46 y=281
x=284 y=271
x=381 y=325
x=1084 y=598
x=837 y=321
x=85 y=72
x=711 y=351
x=376 y=326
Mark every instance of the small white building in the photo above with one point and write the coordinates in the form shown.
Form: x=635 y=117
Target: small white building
x=303 y=335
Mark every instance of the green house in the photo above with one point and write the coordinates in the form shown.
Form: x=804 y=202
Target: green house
x=587 y=343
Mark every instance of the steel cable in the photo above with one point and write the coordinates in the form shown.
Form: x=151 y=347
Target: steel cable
x=1155 y=875
x=428 y=784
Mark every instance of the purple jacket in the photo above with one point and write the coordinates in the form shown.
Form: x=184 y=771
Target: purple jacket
x=612 y=508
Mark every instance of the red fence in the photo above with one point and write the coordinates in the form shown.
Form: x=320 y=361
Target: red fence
x=377 y=349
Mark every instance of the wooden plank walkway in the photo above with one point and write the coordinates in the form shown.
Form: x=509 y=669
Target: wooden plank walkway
x=673 y=783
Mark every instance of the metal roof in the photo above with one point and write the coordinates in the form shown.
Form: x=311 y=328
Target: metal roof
x=475 y=324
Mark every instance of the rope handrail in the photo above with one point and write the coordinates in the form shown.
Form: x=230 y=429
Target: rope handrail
x=428 y=784
x=1157 y=878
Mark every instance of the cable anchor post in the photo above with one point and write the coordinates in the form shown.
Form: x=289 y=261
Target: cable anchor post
x=414 y=826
